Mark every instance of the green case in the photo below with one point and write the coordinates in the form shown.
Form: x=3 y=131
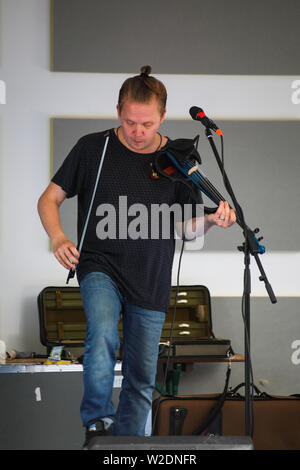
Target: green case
x=62 y=322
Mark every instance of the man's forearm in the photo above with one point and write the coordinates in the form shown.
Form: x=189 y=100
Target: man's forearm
x=223 y=217
x=49 y=214
x=64 y=250
x=197 y=227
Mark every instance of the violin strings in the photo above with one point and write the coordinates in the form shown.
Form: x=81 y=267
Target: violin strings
x=206 y=186
x=203 y=181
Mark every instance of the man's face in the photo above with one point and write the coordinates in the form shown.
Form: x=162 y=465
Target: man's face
x=140 y=122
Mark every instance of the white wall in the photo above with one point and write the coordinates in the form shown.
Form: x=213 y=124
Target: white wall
x=33 y=96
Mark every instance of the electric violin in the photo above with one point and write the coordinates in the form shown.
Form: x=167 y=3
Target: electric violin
x=184 y=168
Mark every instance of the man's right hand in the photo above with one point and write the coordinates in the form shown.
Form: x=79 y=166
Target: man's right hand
x=65 y=252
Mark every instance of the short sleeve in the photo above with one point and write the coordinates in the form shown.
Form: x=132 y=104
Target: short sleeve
x=70 y=176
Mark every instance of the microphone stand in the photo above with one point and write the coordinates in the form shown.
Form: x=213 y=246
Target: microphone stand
x=250 y=247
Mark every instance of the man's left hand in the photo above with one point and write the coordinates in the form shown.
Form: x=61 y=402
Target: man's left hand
x=224 y=216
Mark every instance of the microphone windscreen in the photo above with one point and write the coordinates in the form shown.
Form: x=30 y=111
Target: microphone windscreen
x=194 y=110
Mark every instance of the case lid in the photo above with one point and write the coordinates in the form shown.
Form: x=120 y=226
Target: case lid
x=63 y=322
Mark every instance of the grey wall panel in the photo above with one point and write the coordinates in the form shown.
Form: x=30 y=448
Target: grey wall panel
x=262 y=163
x=192 y=37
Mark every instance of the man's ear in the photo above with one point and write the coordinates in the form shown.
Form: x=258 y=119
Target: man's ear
x=118 y=111
x=163 y=116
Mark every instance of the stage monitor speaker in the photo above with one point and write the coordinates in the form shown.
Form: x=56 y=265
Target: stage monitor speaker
x=129 y=443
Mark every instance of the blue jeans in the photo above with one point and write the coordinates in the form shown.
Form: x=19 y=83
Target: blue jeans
x=103 y=303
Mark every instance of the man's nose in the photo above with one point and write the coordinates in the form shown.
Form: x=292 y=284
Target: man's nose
x=138 y=130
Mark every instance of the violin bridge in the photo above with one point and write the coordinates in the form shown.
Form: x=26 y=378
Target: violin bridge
x=194 y=168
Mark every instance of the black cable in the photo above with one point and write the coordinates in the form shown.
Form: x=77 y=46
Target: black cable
x=170 y=337
x=172 y=326
x=174 y=312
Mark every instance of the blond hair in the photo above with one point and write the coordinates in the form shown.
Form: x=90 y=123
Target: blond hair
x=142 y=88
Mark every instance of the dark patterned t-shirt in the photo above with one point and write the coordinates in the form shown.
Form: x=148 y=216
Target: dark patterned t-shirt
x=120 y=240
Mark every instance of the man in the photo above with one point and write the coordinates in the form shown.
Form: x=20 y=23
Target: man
x=119 y=274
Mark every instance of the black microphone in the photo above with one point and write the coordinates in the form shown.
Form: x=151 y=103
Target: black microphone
x=199 y=115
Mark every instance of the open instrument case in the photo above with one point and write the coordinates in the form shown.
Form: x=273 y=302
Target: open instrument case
x=62 y=323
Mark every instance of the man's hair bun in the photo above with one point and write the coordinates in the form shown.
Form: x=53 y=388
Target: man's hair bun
x=146 y=70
